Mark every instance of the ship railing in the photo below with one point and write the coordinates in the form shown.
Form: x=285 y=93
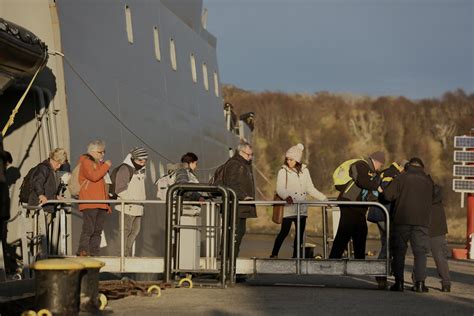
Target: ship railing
x=223 y=249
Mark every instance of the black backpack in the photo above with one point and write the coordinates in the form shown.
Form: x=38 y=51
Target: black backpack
x=219 y=174
x=26 y=185
x=113 y=177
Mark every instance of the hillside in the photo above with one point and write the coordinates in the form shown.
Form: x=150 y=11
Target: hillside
x=337 y=127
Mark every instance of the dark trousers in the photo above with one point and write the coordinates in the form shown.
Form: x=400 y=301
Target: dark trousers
x=239 y=234
x=92 y=224
x=352 y=225
x=419 y=241
x=383 y=239
x=439 y=250
x=285 y=229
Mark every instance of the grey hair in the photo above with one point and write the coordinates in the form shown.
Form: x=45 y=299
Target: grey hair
x=243 y=145
x=95 y=145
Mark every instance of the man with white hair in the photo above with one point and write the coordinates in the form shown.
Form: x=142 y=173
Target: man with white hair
x=92 y=171
x=238 y=175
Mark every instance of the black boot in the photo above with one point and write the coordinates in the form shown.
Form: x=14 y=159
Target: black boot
x=420 y=287
x=445 y=288
x=398 y=286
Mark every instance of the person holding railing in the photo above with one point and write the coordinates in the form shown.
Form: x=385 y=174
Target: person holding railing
x=93 y=169
x=186 y=174
x=294 y=184
x=353 y=224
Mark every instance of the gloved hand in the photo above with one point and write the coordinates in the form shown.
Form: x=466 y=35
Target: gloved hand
x=289 y=200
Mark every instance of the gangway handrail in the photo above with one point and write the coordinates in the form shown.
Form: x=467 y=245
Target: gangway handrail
x=336 y=203
x=231 y=250
x=176 y=192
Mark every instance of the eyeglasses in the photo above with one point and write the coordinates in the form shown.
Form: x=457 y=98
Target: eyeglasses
x=102 y=152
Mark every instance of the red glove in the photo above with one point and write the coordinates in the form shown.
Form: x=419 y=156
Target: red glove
x=289 y=200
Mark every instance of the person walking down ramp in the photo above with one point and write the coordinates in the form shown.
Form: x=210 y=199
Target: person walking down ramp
x=294 y=184
x=238 y=175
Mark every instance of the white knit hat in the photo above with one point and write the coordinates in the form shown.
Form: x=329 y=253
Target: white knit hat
x=295 y=152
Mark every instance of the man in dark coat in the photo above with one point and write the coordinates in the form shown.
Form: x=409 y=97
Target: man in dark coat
x=412 y=192
x=238 y=175
x=438 y=244
x=353 y=224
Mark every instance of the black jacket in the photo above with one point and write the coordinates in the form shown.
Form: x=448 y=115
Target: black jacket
x=365 y=177
x=238 y=175
x=438 y=224
x=412 y=192
x=44 y=183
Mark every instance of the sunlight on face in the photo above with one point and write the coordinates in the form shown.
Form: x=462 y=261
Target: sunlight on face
x=291 y=162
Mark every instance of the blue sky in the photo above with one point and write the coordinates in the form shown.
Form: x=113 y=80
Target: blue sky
x=415 y=48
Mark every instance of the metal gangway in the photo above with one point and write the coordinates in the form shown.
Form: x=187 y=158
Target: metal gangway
x=219 y=256
x=324 y=266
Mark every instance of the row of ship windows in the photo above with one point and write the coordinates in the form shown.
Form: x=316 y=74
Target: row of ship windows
x=174 y=65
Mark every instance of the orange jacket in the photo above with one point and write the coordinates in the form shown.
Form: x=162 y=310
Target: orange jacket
x=91 y=178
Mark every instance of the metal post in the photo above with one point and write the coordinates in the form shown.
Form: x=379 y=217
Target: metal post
x=213 y=235
x=224 y=244
x=178 y=210
x=169 y=206
x=208 y=233
x=298 y=228
x=233 y=223
x=62 y=232
x=122 y=237
x=325 y=232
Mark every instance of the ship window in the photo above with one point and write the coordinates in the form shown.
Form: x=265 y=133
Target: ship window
x=156 y=39
x=204 y=77
x=128 y=22
x=193 y=68
x=216 y=84
x=173 y=54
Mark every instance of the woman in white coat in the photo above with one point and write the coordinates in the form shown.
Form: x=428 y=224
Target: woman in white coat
x=294 y=184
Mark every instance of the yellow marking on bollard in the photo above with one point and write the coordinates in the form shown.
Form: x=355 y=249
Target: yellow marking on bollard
x=44 y=312
x=103 y=301
x=185 y=283
x=155 y=288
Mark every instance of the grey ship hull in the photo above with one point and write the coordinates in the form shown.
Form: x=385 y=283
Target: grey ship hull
x=169 y=112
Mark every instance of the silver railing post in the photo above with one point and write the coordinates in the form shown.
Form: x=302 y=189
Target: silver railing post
x=325 y=232
x=298 y=247
x=122 y=237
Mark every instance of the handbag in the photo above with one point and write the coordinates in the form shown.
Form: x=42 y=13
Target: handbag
x=279 y=209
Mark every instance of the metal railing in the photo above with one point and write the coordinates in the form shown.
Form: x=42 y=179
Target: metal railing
x=324 y=205
x=229 y=216
x=174 y=206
